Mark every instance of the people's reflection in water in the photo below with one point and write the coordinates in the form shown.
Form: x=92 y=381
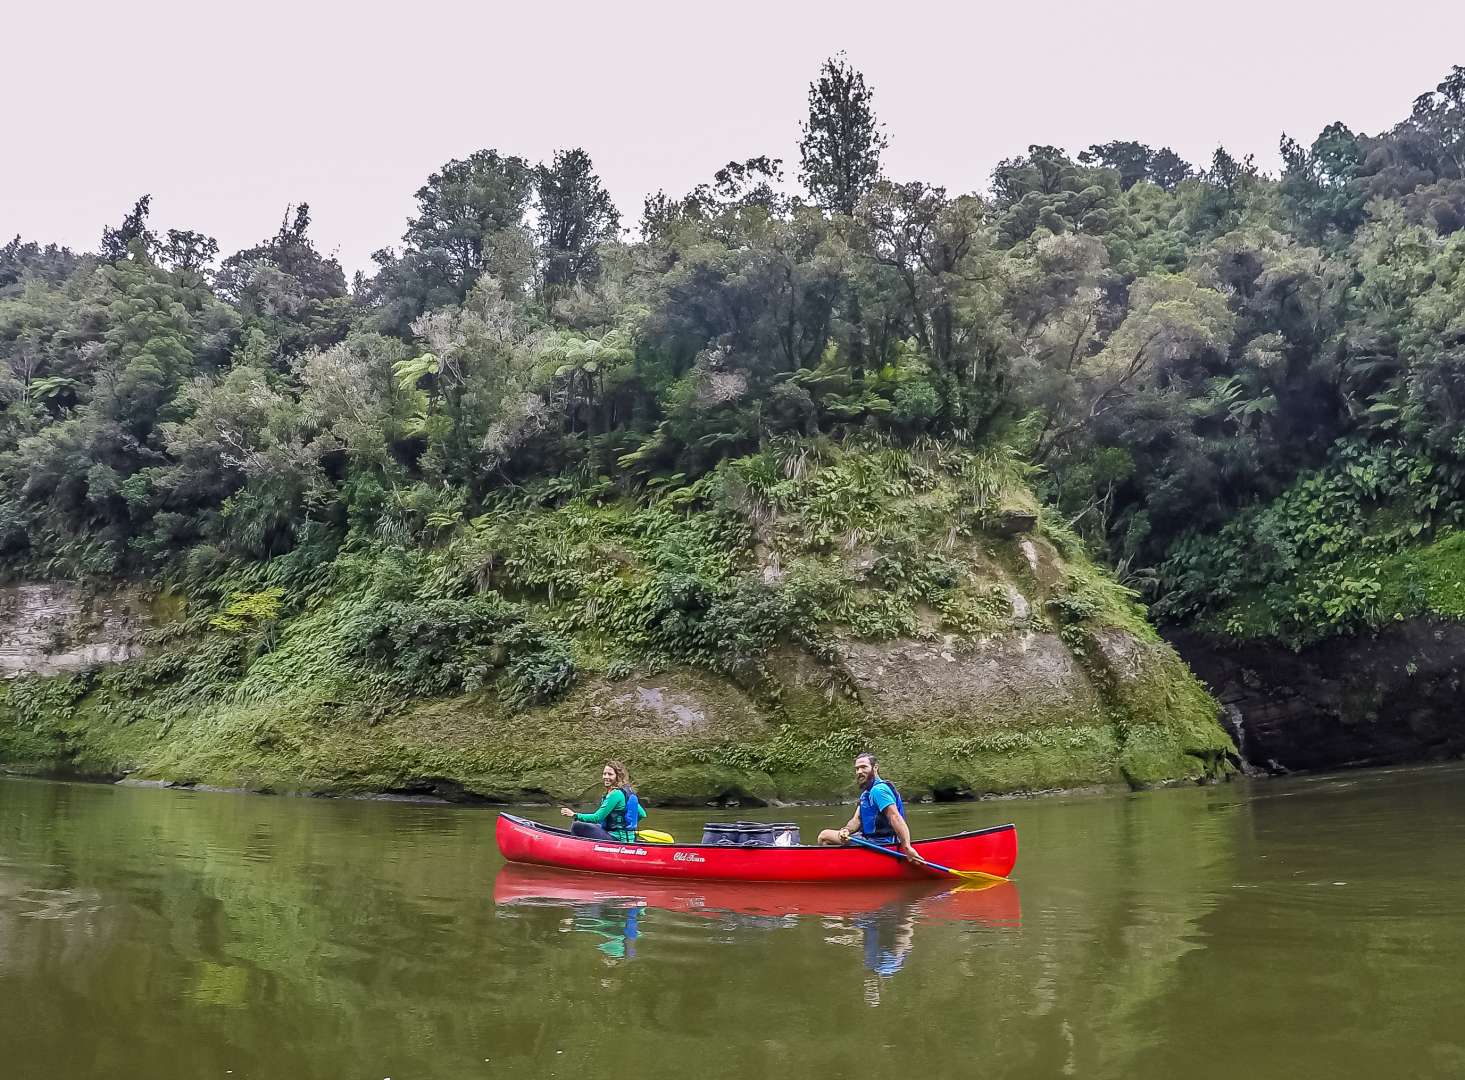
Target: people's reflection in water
x=877 y=918
x=888 y=936
x=617 y=927
x=885 y=938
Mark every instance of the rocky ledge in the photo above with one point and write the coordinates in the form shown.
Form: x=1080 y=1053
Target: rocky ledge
x=48 y=629
x=1382 y=699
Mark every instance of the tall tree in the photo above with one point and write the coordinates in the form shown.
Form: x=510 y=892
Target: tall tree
x=1223 y=191
x=939 y=250
x=470 y=224
x=1320 y=183
x=1168 y=169
x=742 y=185
x=1228 y=173
x=576 y=214
x=188 y=250
x=117 y=243
x=464 y=209
x=1441 y=115
x=1128 y=158
x=840 y=150
x=1134 y=161
x=19 y=259
x=288 y=289
x=1047 y=190
x=293 y=254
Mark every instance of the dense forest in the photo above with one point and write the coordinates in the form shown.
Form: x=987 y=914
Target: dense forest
x=1244 y=393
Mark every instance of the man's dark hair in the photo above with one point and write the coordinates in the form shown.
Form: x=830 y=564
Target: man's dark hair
x=866 y=754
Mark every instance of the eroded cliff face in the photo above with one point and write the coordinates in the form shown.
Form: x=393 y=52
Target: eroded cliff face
x=1022 y=708
x=1027 y=704
x=741 y=645
x=1394 y=696
x=48 y=629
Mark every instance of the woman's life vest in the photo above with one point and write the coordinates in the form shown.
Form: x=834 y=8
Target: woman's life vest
x=621 y=823
x=874 y=825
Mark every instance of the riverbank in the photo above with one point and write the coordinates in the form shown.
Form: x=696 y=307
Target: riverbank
x=465 y=798
x=689 y=737
x=729 y=645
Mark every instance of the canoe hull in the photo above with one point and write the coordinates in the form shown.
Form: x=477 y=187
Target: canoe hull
x=992 y=851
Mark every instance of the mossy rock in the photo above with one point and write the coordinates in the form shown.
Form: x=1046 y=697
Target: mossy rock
x=1017 y=512
x=1167 y=722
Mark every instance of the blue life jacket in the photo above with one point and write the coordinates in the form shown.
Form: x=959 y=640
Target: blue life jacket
x=873 y=824
x=622 y=824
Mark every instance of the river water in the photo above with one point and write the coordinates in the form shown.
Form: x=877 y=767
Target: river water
x=1287 y=928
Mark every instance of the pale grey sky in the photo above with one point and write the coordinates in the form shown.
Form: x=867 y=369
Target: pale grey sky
x=226 y=113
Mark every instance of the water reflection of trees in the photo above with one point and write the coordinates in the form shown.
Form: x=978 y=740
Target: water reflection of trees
x=239 y=933
x=307 y=939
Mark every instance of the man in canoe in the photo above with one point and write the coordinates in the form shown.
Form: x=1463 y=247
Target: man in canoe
x=880 y=817
x=618 y=814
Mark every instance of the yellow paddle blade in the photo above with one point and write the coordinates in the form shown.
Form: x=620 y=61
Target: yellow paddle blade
x=977 y=877
x=652 y=836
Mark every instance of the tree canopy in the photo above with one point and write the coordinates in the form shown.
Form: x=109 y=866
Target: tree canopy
x=1176 y=348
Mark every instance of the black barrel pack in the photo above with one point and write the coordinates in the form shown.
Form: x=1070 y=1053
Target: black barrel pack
x=750 y=834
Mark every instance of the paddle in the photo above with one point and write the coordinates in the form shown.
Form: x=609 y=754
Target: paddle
x=968 y=875
x=652 y=836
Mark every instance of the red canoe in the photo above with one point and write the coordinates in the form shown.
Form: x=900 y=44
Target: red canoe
x=992 y=851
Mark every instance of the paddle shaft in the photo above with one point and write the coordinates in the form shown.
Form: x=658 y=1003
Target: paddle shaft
x=896 y=853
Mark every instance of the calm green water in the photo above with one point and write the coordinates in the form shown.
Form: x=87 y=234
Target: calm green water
x=1298 y=928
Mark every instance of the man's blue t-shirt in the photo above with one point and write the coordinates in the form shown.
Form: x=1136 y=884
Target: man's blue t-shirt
x=873 y=802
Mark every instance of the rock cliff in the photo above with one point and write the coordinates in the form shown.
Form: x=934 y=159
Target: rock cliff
x=46 y=629
x=740 y=646
x=1375 y=699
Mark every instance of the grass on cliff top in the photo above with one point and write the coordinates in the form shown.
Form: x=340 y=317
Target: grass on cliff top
x=1428 y=580
x=803 y=542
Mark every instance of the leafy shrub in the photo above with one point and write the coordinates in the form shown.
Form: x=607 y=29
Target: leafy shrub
x=1310 y=563
x=246 y=610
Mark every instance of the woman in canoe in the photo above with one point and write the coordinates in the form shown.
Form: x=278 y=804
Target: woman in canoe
x=618 y=814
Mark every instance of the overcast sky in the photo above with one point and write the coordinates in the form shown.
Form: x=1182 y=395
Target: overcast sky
x=227 y=113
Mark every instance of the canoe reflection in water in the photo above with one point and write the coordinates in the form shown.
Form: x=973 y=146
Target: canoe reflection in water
x=880 y=917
